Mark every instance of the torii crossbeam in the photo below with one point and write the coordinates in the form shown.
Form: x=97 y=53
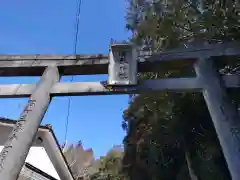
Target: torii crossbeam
x=224 y=114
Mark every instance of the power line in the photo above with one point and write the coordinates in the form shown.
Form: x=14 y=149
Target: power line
x=75 y=42
x=78 y=13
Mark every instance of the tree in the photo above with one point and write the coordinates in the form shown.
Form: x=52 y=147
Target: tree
x=170 y=135
x=109 y=167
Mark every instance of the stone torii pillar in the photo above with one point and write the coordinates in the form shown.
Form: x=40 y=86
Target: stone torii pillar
x=224 y=115
x=15 y=151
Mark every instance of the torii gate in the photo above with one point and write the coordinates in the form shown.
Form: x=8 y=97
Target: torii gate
x=224 y=115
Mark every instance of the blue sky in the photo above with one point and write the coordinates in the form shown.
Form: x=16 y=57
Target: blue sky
x=47 y=27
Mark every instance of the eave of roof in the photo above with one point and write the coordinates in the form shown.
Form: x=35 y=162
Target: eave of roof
x=33 y=168
x=60 y=150
x=9 y=121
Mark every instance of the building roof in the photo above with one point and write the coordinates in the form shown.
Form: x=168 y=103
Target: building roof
x=45 y=138
x=30 y=167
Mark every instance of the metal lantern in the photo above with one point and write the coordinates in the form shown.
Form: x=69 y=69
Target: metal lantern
x=122 y=68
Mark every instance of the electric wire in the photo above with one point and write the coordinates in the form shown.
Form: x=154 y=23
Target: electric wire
x=75 y=43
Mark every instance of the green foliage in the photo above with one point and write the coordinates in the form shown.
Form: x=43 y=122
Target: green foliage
x=171 y=135
x=166 y=24
x=110 y=167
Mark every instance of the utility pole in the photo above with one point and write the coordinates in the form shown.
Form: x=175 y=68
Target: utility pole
x=16 y=149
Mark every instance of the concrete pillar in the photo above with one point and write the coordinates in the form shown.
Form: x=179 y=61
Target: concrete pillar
x=16 y=149
x=224 y=114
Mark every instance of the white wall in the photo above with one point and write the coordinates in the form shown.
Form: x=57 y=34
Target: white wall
x=38 y=157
